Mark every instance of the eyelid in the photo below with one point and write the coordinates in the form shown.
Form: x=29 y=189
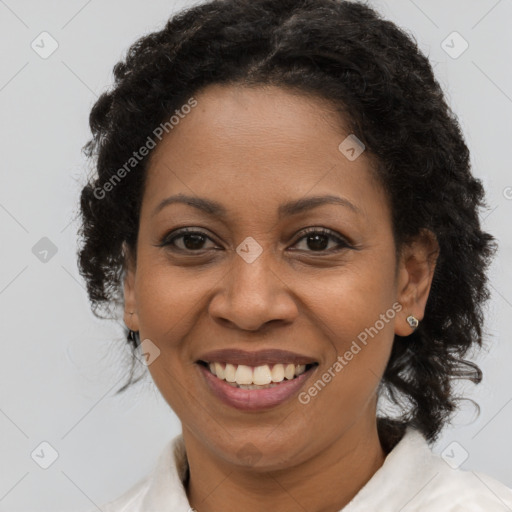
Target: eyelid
x=323 y=231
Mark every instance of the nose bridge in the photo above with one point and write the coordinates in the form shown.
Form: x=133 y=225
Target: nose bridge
x=252 y=293
x=253 y=276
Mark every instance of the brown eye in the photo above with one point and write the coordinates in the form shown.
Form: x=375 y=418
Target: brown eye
x=186 y=240
x=317 y=240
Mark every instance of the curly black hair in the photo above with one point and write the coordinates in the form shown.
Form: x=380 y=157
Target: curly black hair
x=374 y=74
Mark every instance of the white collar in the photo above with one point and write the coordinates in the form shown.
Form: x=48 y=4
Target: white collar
x=411 y=479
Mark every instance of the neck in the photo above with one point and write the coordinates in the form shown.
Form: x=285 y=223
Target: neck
x=326 y=482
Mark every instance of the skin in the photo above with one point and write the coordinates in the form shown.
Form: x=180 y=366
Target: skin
x=253 y=149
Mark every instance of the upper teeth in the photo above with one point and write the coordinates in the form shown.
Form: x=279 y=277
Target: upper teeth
x=259 y=375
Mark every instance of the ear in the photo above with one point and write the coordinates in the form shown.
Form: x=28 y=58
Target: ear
x=416 y=271
x=131 y=318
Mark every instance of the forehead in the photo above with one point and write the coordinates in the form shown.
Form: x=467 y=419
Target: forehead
x=251 y=145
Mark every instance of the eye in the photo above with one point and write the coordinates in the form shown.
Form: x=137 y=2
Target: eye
x=189 y=240
x=317 y=239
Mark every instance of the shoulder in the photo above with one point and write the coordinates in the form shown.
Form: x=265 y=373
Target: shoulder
x=161 y=489
x=453 y=489
x=469 y=491
x=131 y=500
x=414 y=479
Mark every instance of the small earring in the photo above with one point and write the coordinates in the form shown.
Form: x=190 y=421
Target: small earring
x=412 y=321
x=133 y=338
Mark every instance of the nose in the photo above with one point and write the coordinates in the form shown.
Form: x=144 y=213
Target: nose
x=253 y=295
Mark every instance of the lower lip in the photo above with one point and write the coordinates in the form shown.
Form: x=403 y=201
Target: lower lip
x=254 y=399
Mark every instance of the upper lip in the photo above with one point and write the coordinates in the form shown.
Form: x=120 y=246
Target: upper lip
x=259 y=358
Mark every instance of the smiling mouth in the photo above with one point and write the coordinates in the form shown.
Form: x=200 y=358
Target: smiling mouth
x=256 y=377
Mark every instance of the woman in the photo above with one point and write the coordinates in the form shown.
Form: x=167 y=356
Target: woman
x=284 y=209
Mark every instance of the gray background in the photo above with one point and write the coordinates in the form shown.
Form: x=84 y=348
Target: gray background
x=60 y=365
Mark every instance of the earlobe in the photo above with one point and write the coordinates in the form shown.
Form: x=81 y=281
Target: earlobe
x=131 y=318
x=417 y=268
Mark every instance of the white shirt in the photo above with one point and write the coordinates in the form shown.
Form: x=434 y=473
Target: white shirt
x=412 y=479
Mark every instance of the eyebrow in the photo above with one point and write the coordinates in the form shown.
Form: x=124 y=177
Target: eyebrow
x=216 y=209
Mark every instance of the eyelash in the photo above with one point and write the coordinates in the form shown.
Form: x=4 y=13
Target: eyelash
x=342 y=243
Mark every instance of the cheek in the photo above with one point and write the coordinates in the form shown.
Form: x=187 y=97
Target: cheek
x=168 y=299
x=354 y=311
x=360 y=346
x=347 y=302
x=167 y=303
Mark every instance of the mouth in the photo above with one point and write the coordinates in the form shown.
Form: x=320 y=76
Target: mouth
x=256 y=388
x=256 y=377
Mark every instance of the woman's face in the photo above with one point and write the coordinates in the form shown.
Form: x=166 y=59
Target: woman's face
x=253 y=280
